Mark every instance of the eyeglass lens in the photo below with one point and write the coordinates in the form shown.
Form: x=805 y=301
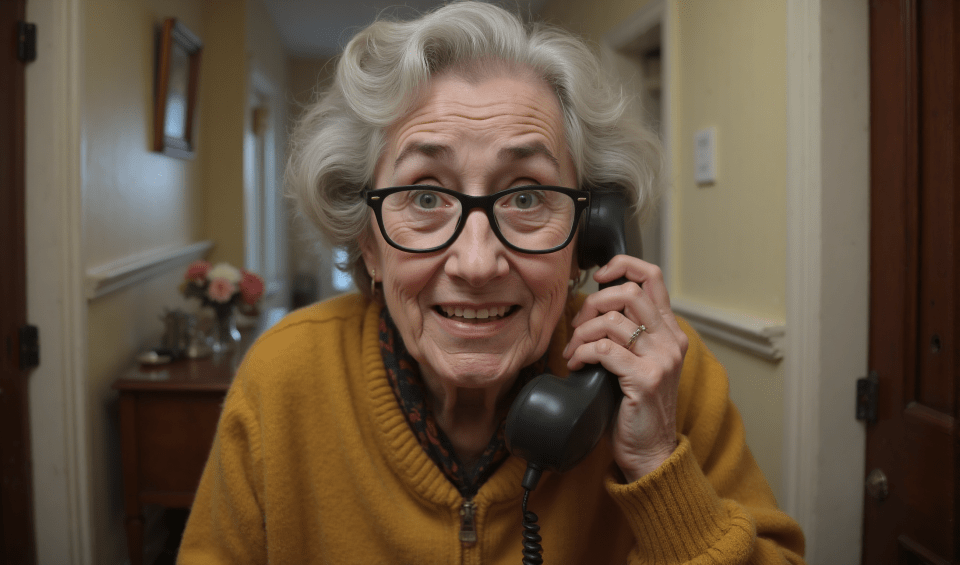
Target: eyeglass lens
x=534 y=220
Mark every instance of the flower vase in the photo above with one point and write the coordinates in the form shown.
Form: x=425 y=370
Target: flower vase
x=225 y=332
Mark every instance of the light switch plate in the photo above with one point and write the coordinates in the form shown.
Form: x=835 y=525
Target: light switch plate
x=705 y=156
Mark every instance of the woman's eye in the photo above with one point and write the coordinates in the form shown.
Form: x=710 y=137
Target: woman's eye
x=525 y=200
x=427 y=200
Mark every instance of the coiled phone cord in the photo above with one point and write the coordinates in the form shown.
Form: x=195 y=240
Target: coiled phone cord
x=531 y=538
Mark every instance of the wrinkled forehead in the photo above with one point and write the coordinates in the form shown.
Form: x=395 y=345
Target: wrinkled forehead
x=487 y=112
x=475 y=72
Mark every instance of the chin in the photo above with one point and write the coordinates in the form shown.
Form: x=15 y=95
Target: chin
x=478 y=371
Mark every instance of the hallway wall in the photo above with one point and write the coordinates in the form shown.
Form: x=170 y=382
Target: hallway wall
x=727 y=240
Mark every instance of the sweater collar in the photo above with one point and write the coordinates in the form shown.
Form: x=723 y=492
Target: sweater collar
x=400 y=446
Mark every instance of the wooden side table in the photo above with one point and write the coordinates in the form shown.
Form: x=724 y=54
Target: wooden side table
x=168 y=419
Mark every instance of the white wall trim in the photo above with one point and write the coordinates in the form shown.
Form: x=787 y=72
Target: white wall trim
x=760 y=337
x=60 y=440
x=803 y=292
x=113 y=276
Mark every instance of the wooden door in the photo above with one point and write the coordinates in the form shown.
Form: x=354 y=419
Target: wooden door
x=914 y=278
x=16 y=491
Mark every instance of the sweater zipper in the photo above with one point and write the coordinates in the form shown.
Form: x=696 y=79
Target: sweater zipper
x=468 y=528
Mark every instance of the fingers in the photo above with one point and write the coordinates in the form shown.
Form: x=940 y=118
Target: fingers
x=609 y=318
x=645 y=274
x=613 y=326
x=650 y=279
x=629 y=298
x=605 y=341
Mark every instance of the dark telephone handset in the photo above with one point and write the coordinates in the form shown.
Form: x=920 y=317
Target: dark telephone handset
x=555 y=422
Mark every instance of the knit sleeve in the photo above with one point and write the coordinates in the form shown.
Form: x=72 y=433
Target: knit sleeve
x=226 y=524
x=709 y=502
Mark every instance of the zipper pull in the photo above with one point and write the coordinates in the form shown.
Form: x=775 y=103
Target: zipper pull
x=468 y=529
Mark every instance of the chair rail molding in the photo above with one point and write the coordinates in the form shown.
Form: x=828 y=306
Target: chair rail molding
x=761 y=337
x=113 y=276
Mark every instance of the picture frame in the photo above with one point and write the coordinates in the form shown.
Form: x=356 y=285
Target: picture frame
x=177 y=84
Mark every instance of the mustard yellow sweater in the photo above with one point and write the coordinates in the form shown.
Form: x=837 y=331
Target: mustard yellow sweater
x=314 y=463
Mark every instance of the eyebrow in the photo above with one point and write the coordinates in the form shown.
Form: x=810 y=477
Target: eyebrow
x=431 y=150
x=512 y=153
x=526 y=151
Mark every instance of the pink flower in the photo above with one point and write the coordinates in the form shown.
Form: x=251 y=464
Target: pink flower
x=251 y=288
x=197 y=271
x=220 y=290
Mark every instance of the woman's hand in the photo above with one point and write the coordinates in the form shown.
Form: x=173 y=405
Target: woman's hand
x=649 y=371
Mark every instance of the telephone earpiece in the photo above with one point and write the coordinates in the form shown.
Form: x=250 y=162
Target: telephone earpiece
x=555 y=422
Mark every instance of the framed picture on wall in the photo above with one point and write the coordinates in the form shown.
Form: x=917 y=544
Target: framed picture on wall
x=178 y=77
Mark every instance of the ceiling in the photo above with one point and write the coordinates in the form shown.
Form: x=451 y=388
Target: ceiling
x=320 y=28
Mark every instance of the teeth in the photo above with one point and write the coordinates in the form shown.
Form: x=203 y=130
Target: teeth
x=475 y=314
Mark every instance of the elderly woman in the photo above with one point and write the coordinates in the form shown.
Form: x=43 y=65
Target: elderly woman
x=370 y=428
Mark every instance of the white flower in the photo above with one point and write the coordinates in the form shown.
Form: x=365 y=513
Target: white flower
x=225 y=271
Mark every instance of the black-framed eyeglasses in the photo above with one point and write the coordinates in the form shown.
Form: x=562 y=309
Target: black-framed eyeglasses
x=530 y=219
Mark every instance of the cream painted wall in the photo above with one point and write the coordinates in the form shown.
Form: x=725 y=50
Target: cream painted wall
x=240 y=39
x=727 y=241
x=134 y=200
x=222 y=119
x=756 y=387
x=151 y=201
x=264 y=45
x=591 y=20
x=730 y=237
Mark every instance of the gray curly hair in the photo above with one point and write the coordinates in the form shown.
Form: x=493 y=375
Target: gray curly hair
x=338 y=141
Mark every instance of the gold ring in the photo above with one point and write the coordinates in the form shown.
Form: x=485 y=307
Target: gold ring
x=633 y=339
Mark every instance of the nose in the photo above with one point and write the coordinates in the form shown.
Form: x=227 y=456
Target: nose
x=477 y=256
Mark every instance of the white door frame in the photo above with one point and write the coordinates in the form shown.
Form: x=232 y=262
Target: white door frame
x=828 y=244
x=60 y=442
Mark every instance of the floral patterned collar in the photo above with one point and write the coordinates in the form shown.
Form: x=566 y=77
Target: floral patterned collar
x=403 y=373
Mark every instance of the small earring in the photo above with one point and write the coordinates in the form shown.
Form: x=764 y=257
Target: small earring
x=373 y=282
x=575 y=283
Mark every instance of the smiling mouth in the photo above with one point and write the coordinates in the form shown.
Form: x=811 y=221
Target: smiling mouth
x=475 y=315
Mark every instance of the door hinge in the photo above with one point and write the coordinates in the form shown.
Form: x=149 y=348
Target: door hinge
x=26 y=42
x=29 y=347
x=867 y=393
